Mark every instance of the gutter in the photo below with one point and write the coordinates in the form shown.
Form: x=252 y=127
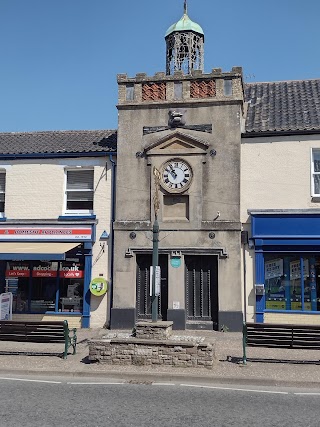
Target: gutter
x=280 y=133
x=54 y=155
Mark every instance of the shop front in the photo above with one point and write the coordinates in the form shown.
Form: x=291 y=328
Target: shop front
x=287 y=266
x=48 y=271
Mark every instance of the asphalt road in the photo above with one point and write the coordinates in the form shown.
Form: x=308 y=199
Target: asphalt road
x=77 y=402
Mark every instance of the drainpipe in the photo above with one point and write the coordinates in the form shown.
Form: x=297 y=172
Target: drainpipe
x=244 y=283
x=113 y=211
x=244 y=241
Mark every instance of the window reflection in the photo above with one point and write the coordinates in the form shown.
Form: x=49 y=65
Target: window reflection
x=291 y=282
x=46 y=286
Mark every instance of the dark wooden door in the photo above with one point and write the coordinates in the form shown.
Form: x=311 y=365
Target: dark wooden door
x=202 y=288
x=143 y=298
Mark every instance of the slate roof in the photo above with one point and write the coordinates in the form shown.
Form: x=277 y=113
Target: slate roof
x=58 y=142
x=283 y=106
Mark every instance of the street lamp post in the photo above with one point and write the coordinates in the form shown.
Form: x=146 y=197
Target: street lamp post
x=155 y=244
x=155 y=259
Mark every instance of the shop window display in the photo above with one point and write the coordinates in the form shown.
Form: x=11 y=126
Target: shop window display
x=71 y=286
x=290 y=282
x=17 y=277
x=274 y=284
x=45 y=286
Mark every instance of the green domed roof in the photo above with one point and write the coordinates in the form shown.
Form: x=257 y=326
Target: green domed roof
x=185 y=24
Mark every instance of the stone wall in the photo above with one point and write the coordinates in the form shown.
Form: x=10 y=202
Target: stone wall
x=153 y=331
x=134 y=351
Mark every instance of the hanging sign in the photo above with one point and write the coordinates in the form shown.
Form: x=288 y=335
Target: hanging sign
x=44 y=271
x=71 y=274
x=17 y=273
x=158 y=280
x=6 y=306
x=98 y=286
x=70 y=270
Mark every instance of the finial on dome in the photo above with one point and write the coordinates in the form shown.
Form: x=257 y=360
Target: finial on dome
x=185 y=7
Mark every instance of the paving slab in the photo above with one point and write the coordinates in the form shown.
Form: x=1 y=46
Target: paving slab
x=272 y=367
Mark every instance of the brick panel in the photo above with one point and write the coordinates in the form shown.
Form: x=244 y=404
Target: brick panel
x=153 y=91
x=203 y=89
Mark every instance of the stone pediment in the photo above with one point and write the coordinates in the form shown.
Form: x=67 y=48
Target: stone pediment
x=177 y=143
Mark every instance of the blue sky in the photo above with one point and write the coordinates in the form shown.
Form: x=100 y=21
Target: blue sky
x=60 y=58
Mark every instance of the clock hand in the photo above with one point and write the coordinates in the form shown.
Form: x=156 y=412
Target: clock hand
x=173 y=172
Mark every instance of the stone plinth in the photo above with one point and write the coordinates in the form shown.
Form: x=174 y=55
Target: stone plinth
x=153 y=330
x=134 y=351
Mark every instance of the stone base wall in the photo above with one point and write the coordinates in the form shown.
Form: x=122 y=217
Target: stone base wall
x=138 y=352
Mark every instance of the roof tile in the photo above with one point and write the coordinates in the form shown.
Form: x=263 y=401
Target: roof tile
x=55 y=142
x=283 y=106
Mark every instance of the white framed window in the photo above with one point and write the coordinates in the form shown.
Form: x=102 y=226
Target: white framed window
x=315 y=172
x=79 y=191
x=2 y=192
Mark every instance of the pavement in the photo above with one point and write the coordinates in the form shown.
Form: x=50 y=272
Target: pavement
x=269 y=367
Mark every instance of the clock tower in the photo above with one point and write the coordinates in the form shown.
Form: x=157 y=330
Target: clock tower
x=187 y=124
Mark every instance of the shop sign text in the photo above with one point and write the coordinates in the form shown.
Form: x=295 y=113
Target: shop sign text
x=46 y=233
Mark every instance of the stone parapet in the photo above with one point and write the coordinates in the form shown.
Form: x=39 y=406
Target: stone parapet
x=178 y=75
x=140 y=352
x=196 y=87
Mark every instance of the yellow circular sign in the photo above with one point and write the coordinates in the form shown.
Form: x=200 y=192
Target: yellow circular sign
x=98 y=286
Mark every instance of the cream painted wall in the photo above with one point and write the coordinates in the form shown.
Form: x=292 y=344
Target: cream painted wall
x=35 y=189
x=275 y=173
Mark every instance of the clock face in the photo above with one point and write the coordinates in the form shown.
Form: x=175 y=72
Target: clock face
x=176 y=175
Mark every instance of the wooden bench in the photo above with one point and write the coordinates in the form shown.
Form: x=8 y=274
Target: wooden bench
x=39 y=332
x=280 y=336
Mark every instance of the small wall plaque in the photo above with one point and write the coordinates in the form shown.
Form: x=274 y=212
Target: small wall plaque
x=175 y=262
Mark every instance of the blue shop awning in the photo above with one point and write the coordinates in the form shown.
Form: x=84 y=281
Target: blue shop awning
x=35 y=251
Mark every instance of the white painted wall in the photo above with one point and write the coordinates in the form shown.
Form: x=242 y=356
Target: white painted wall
x=35 y=190
x=275 y=173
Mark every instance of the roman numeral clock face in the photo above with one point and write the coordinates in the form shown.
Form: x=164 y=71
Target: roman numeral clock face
x=176 y=175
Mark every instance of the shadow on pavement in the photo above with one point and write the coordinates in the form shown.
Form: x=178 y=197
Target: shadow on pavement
x=30 y=353
x=86 y=361
x=238 y=361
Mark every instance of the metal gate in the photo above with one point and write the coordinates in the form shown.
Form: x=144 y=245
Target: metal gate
x=202 y=288
x=143 y=304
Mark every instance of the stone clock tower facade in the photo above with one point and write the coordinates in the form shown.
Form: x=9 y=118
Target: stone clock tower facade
x=187 y=124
